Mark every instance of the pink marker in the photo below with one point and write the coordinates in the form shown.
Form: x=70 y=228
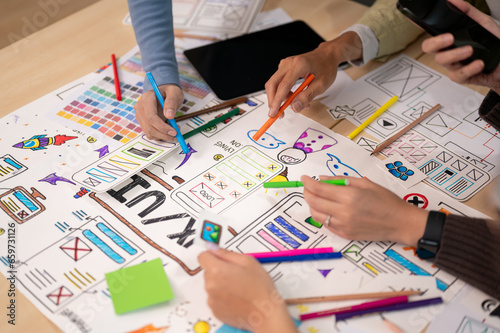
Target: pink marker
x=363 y=306
x=289 y=253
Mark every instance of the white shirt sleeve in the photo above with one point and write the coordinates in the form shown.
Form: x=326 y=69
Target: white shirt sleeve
x=369 y=42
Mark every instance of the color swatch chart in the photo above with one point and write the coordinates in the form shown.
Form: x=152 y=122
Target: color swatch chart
x=98 y=109
x=191 y=83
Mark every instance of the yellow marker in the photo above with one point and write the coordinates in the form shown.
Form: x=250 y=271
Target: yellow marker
x=377 y=113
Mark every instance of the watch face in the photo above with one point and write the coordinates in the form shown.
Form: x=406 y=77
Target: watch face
x=427 y=248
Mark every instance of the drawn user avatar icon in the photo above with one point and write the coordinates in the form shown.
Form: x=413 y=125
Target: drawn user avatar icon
x=292 y=156
x=310 y=141
x=337 y=168
x=211 y=232
x=266 y=140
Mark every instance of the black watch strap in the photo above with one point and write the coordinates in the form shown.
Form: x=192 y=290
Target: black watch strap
x=429 y=244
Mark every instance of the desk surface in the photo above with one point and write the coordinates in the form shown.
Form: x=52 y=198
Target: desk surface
x=83 y=42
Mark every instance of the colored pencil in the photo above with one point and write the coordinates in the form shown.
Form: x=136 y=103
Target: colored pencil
x=117 y=79
x=374 y=116
x=392 y=327
x=404 y=130
x=394 y=307
x=193 y=36
x=213 y=122
x=224 y=105
x=342 y=182
x=301 y=257
x=271 y=120
x=287 y=253
x=381 y=303
x=171 y=122
x=349 y=297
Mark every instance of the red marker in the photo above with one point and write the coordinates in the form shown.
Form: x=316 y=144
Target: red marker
x=117 y=80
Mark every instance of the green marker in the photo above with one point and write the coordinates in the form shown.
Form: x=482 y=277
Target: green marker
x=341 y=182
x=211 y=123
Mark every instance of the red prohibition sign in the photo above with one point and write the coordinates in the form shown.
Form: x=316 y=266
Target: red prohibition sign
x=417 y=199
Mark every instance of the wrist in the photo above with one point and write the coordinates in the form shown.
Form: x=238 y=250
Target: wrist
x=276 y=320
x=346 y=47
x=429 y=244
x=414 y=228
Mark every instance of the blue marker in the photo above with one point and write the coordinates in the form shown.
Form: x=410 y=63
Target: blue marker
x=171 y=122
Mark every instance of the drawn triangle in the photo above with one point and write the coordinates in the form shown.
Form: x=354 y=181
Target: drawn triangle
x=438 y=121
x=325 y=272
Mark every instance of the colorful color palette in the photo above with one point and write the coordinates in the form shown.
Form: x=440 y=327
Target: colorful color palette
x=98 y=109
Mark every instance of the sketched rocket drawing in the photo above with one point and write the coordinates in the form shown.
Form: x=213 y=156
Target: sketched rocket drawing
x=38 y=142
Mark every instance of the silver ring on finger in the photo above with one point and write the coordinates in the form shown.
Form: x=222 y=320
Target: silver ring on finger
x=327 y=222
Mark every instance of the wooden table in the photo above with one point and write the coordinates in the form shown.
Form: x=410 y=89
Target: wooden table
x=84 y=41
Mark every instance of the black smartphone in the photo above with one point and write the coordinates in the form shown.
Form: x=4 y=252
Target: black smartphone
x=439 y=16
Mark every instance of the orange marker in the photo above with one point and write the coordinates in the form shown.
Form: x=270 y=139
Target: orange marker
x=271 y=120
x=117 y=80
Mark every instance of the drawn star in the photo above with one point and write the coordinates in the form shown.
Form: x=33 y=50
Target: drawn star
x=312 y=329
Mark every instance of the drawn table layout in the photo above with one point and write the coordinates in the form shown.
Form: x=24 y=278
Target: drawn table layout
x=77 y=232
x=456 y=149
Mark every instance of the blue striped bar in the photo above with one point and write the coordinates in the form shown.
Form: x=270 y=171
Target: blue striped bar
x=116 y=238
x=103 y=246
x=290 y=228
x=412 y=267
x=284 y=237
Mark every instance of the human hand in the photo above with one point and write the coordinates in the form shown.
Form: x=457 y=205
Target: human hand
x=323 y=62
x=364 y=210
x=241 y=293
x=150 y=115
x=450 y=59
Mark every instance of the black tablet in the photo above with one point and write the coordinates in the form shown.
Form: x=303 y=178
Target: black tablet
x=242 y=65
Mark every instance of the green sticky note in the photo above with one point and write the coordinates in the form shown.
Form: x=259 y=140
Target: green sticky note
x=139 y=286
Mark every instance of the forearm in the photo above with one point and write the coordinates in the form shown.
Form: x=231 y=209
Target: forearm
x=153 y=27
x=393 y=30
x=470 y=250
x=490 y=109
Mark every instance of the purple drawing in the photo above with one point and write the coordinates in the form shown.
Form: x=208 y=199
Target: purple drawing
x=103 y=151
x=53 y=178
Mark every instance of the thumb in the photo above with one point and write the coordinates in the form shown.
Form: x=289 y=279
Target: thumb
x=170 y=107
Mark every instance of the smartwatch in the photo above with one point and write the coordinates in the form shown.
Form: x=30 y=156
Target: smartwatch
x=428 y=245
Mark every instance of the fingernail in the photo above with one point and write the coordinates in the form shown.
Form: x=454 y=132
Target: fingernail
x=172 y=133
x=448 y=38
x=170 y=113
x=467 y=50
x=297 y=106
x=212 y=247
x=271 y=112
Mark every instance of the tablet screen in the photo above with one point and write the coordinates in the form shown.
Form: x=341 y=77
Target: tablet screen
x=240 y=66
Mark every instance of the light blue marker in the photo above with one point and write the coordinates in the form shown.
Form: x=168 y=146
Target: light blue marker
x=171 y=122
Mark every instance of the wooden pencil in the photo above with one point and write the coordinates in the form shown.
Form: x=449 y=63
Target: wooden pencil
x=224 y=105
x=404 y=130
x=384 y=294
x=193 y=36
